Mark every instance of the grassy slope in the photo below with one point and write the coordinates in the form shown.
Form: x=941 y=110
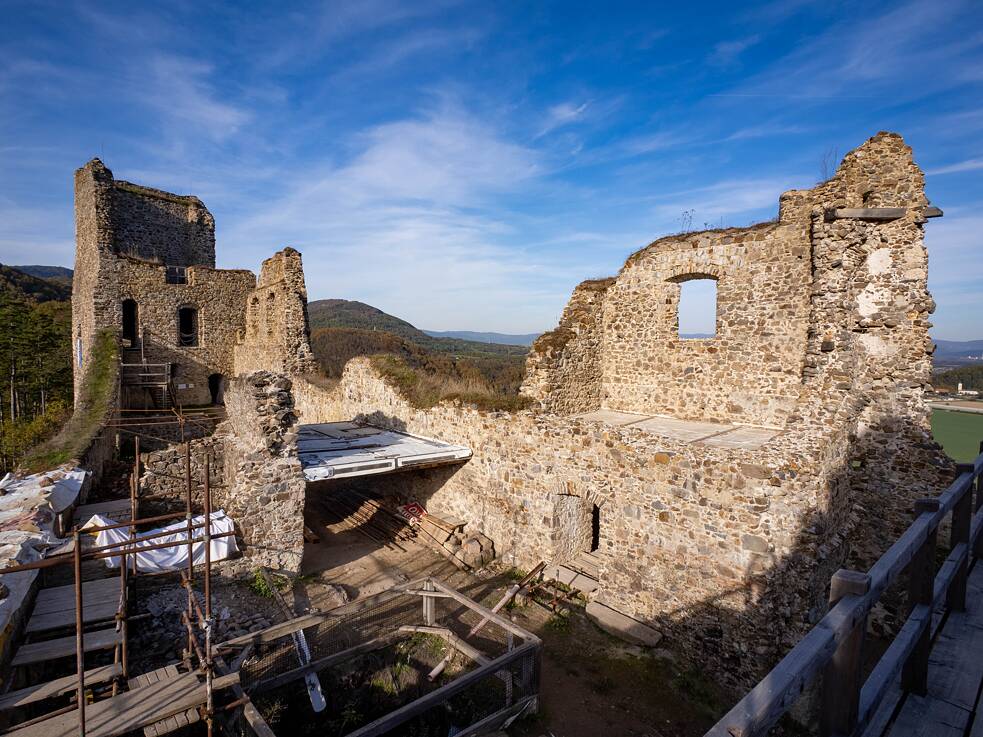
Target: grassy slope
x=959 y=433
x=90 y=411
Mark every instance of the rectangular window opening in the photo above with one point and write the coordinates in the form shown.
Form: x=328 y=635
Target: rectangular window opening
x=697 y=313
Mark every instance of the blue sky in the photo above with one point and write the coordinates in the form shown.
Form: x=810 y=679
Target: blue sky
x=464 y=165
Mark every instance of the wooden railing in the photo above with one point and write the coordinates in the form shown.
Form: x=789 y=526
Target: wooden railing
x=833 y=648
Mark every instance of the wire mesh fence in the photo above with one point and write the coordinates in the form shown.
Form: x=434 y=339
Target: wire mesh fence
x=496 y=672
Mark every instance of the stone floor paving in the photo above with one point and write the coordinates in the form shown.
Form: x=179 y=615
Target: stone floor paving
x=688 y=431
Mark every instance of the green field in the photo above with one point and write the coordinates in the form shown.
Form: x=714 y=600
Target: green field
x=959 y=433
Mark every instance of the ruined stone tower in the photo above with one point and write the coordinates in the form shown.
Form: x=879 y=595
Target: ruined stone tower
x=145 y=271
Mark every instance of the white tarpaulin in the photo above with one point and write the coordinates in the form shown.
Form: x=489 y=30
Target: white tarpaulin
x=169 y=559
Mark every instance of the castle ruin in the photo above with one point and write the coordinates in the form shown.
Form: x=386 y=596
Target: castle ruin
x=715 y=482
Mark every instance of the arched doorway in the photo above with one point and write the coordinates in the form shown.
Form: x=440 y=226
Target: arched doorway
x=216 y=387
x=131 y=321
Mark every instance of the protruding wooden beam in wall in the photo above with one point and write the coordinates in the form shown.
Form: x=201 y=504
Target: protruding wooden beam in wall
x=876 y=213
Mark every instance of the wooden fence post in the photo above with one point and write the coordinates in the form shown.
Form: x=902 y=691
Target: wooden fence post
x=962 y=520
x=843 y=676
x=921 y=585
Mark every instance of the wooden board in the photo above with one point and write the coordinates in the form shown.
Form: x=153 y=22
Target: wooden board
x=955 y=673
x=117 y=509
x=130 y=711
x=54 y=607
x=172 y=723
x=62 y=598
x=925 y=716
x=39 y=652
x=41 y=691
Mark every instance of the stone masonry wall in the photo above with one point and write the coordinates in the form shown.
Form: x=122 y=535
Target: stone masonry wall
x=219 y=296
x=163 y=480
x=690 y=534
x=728 y=550
x=277 y=336
x=159 y=226
x=564 y=370
x=264 y=485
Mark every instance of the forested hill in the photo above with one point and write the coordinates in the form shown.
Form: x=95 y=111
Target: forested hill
x=35 y=360
x=18 y=283
x=352 y=315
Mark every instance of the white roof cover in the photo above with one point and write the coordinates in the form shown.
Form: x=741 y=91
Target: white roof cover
x=334 y=450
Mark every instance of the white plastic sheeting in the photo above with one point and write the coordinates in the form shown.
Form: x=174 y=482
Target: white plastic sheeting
x=175 y=558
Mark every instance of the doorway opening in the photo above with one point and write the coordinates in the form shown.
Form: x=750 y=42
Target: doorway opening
x=216 y=387
x=595 y=528
x=131 y=319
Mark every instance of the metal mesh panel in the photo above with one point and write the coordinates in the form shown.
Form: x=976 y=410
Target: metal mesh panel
x=515 y=686
x=493 y=694
x=334 y=636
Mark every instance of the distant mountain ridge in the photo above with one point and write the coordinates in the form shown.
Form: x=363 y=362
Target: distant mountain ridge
x=958 y=348
x=354 y=315
x=21 y=285
x=525 y=339
x=47 y=272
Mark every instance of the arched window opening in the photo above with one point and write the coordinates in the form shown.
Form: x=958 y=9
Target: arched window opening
x=187 y=326
x=697 y=311
x=131 y=320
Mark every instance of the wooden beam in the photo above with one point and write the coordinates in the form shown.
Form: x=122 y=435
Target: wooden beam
x=42 y=691
x=40 y=652
x=309 y=620
x=130 y=711
x=326 y=662
x=395 y=718
x=921 y=590
x=843 y=675
x=876 y=213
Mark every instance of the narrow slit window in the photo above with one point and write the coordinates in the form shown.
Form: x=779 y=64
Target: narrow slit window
x=697 y=312
x=187 y=325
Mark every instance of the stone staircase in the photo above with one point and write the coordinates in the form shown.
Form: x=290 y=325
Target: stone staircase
x=581 y=573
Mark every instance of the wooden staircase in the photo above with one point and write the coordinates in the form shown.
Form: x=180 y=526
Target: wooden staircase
x=149 y=382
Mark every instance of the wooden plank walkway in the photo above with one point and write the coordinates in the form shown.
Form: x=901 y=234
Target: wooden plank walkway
x=171 y=723
x=952 y=704
x=39 y=652
x=54 y=607
x=130 y=711
x=42 y=691
x=117 y=510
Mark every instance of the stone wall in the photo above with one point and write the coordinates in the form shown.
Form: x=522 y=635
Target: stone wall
x=277 y=335
x=163 y=479
x=776 y=282
x=563 y=372
x=690 y=535
x=822 y=332
x=219 y=297
x=264 y=485
x=159 y=226
x=126 y=237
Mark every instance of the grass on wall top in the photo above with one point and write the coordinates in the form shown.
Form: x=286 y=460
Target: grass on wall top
x=423 y=389
x=91 y=410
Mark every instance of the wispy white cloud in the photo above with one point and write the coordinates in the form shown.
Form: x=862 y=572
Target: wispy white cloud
x=726 y=199
x=563 y=114
x=408 y=223
x=727 y=53
x=959 y=166
x=180 y=90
